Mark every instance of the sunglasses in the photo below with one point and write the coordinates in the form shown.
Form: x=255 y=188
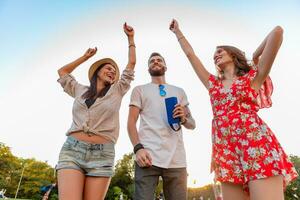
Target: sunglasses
x=162 y=92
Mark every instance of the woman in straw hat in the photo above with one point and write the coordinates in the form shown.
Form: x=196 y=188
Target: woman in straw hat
x=86 y=160
x=246 y=156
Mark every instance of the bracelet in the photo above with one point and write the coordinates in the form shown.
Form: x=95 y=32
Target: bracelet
x=131 y=45
x=137 y=147
x=180 y=38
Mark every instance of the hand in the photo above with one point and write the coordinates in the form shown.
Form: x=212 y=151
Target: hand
x=179 y=111
x=143 y=158
x=174 y=27
x=90 y=52
x=128 y=30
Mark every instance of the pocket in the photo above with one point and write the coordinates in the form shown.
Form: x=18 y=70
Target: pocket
x=108 y=151
x=67 y=146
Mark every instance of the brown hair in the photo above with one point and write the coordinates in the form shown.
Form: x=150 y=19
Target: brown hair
x=91 y=93
x=156 y=54
x=239 y=59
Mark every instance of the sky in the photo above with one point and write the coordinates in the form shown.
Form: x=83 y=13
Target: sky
x=38 y=37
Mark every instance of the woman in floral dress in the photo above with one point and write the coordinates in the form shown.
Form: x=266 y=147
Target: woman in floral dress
x=246 y=157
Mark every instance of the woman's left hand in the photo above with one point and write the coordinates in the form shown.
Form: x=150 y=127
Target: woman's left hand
x=128 y=30
x=179 y=111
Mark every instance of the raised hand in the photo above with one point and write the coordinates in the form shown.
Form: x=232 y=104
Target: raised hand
x=174 y=27
x=128 y=30
x=90 y=52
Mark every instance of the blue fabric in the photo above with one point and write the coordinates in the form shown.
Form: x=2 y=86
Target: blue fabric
x=170 y=105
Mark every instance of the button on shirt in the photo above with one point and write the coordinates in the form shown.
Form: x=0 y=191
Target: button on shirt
x=164 y=145
x=102 y=118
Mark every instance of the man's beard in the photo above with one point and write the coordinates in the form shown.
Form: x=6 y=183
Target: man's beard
x=157 y=72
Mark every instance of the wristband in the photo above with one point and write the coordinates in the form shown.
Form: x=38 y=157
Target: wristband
x=137 y=147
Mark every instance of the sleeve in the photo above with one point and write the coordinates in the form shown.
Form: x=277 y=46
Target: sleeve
x=212 y=81
x=184 y=100
x=136 y=98
x=70 y=85
x=123 y=84
x=265 y=92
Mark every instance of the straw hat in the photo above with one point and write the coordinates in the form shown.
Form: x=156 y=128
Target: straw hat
x=98 y=63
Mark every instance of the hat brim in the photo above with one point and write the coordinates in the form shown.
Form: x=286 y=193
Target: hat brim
x=98 y=63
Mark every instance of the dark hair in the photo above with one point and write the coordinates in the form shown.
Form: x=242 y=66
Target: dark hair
x=239 y=59
x=155 y=54
x=91 y=93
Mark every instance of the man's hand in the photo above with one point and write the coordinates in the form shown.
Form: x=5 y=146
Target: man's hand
x=179 y=111
x=143 y=158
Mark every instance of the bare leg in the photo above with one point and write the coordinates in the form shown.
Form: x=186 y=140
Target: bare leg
x=232 y=191
x=267 y=189
x=70 y=184
x=95 y=188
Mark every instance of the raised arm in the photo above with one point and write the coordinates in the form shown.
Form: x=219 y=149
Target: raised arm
x=131 y=53
x=68 y=68
x=200 y=70
x=265 y=55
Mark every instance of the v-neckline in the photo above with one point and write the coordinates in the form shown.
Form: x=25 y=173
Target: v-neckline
x=231 y=86
x=98 y=99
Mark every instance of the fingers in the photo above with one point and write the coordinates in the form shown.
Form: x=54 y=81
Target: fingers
x=173 y=25
x=149 y=158
x=178 y=111
x=90 y=52
x=143 y=158
x=127 y=28
x=143 y=162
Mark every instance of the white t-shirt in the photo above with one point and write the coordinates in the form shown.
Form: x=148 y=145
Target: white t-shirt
x=164 y=145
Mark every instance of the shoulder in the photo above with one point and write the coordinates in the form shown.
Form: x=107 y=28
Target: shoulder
x=176 y=88
x=142 y=87
x=212 y=81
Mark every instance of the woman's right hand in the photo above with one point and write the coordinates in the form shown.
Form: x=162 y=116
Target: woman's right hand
x=174 y=27
x=90 y=52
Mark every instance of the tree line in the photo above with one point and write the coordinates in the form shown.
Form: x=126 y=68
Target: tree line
x=37 y=174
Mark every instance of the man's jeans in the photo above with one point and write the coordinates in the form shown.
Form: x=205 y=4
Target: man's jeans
x=174 y=182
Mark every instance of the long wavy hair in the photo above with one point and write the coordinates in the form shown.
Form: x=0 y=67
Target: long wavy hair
x=91 y=93
x=241 y=64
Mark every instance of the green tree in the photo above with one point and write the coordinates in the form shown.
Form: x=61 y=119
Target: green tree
x=9 y=173
x=205 y=191
x=36 y=174
x=123 y=178
x=293 y=190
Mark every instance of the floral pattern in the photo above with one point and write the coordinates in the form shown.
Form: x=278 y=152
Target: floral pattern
x=244 y=147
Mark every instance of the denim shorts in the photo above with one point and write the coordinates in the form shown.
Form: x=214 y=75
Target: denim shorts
x=90 y=159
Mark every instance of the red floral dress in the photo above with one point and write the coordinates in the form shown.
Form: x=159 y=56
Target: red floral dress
x=244 y=147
